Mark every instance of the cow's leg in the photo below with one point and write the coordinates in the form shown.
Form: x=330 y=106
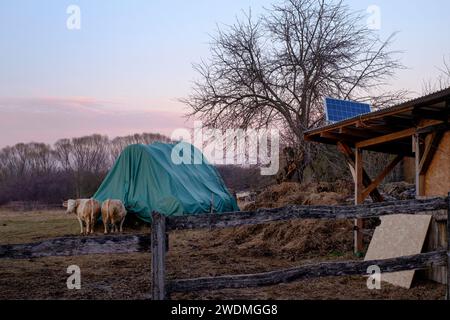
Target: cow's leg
x=94 y=221
x=81 y=225
x=92 y=225
x=105 y=224
x=121 y=225
x=88 y=225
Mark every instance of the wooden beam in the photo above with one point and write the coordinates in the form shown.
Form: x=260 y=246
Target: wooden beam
x=420 y=177
x=359 y=186
x=158 y=257
x=375 y=183
x=393 y=148
x=398 y=121
x=361 y=133
x=359 y=167
x=431 y=115
x=430 y=150
x=350 y=158
x=338 y=137
x=448 y=248
x=441 y=126
x=374 y=127
x=325 y=269
x=386 y=138
x=329 y=135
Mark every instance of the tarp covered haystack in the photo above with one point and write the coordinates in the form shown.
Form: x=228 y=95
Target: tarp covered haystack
x=146 y=179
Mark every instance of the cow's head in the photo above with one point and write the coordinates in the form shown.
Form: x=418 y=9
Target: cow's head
x=71 y=206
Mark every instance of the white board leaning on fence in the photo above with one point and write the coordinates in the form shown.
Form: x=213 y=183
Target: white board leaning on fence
x=397 y=236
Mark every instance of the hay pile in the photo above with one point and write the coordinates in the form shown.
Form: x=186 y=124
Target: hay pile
x=296 y=239
x=293 y=240
x=323 y=193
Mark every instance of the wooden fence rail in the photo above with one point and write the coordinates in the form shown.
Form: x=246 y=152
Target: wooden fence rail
x=235 y=219
x=326 y=269
x=157 y=243
x=77 y=246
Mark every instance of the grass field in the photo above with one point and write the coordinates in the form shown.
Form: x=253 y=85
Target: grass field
x=192 y=254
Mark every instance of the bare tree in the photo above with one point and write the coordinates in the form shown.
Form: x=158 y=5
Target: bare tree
x=41 y=158
x=63 y=152
x=441 y=82
x=275 y=70
x=87 y=159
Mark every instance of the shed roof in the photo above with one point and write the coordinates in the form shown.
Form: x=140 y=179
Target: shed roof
x=388 y=130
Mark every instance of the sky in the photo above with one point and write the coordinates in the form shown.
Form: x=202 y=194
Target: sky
x=130 y=62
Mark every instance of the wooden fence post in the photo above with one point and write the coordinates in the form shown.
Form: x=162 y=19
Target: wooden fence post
x=158 y=256
x=448 y=248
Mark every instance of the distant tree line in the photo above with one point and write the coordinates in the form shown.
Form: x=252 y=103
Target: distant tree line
x=75 y=168
x=71 y=168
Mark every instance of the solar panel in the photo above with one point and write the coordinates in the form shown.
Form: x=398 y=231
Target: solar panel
x=338 y=110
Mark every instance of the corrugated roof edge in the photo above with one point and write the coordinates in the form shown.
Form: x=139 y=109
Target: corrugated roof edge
x=405 y=105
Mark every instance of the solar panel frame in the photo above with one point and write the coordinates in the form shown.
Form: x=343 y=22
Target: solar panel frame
x=348 y=109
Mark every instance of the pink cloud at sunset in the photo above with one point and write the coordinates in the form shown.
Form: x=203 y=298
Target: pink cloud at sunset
x=47 y=119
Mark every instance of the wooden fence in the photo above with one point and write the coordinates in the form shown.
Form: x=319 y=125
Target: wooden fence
x=159 y=240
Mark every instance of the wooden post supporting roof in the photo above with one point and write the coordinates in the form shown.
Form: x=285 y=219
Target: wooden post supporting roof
x=361 y=179
x=420 y=177
x=351 y=161
x=447 y=296
x=359 y=223
x=386 y=138
x=364 y=186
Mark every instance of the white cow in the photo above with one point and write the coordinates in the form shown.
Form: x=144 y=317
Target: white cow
x=87 y=212
x=113 y=212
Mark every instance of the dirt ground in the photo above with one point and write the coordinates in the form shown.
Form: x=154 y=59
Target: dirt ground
x=191 y=254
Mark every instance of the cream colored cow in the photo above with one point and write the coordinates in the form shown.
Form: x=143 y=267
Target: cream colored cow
x=113 y=212
x=87 y=212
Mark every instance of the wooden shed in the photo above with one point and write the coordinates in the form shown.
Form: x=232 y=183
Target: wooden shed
x=418 y=129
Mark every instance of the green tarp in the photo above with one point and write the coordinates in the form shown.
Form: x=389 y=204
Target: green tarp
x=146 y=179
